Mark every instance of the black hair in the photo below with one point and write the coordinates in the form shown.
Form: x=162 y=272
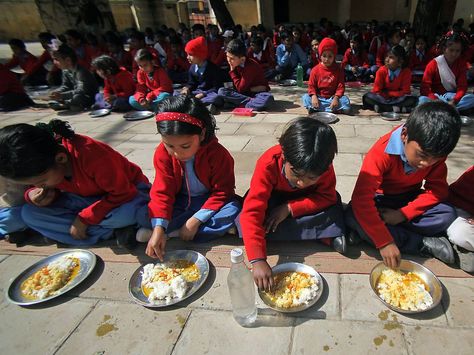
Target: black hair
x=139 y=36
x=356 y=37
x=64 y=51
x=399 y=52
x=309 y=145
x=17 y=43
x=318 y=38
x=191 y=106
x=257 y=40
x=284 y=35
x=74 y=34
x=261 y=28
x=113 y=38
x=46 y=37
x=392 y=33
x=198 y=27
x=435 y=126
x=107 y=64
x=27 y=151
x=453 y=37
x=236 y=47
x=143 y=54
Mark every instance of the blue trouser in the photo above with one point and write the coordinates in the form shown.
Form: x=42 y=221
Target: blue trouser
x=408 y=236
x=10 y=220
x=328 y=223
x=210 y=97
x=344 y=103
x=154 y=104
x=259 y=102
x=120 y=104
x=370 y=99
x=216 y=226
x=55 y=220
x=466 y=102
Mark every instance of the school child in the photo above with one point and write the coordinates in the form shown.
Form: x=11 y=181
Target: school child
x=137 y=42
x=391 y=91
x=267 y=46
x=289 y=55
x=193 y=192
x=393 y=39
x=84 y=53
x=21 y=57
x=84 y=191
x=262 y=57
x=419 y=59
x=251 y=87
x=461 y=231
x=45 y=60
x=214 y=41
x=389 y=207
x=313 y=58
x=445 y=76
x=12 y=227
x=177 y=63
x=153 y=84
x=293 y=195
x=218 y=57
x=12 y=93
x=355 y=61
x=118 y=85
x=326 y=82
x=204 y=77
x=301 y=39
x=115 y=50
x=79 y=86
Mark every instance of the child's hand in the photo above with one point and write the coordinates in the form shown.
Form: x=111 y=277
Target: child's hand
x=143 y=102
x=185 y=91
x=275 y=217
x=156 y=245
x=55 y=95
x=262 y=275
x=391 y=255
x=354 y=69
x=189 y=229
x=392 y=217
x=41 y=197
x=199 y=96
x=109 y=99
x=78 y=229
x=334 y=104
x=315 y=101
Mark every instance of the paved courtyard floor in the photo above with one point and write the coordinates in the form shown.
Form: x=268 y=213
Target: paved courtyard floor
x=99 y=316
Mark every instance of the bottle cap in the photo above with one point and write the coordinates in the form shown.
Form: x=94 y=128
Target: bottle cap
x=236 y=255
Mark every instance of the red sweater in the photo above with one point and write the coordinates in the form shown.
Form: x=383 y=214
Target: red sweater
x=431 y=82
x=99 y=170
x=150 y=88
x=178 y=63
x=314 y=59
x=266 y=61
x=249 y=76
x=214 y=47
x=326 y=81
x=414 y=63
x=214 y=167
x=381 y=54
x=461 y=192
x=26 y=61
x=9 y=82
x=123 y=59
x=360 y=60
x=400 y=86
x=383 y=173
x=219 y=58
x=120 y=85
x=268 y=178
x=135 y=67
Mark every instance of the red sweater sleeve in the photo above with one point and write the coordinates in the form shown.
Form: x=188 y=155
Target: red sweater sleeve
x=340 y=82
x=381 y=53
x=435 y=191
x=379 y=82
x=125 y=84
x=461 y=80
x=321 y=197
x=12 y=63
x=164 y=82
x=426 y=88
x=461 y=193
x=313 y=81
x=345 y=59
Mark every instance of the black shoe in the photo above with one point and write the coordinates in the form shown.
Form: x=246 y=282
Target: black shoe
x=353 y=238
x=18 y=237
x=440 y=248
x=339 y=244
x=126 y=237
x=213 y=109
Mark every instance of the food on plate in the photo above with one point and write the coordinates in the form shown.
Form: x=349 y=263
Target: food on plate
x=293 y=289
x=169 y=280
x=407 y=291
x=50 y=279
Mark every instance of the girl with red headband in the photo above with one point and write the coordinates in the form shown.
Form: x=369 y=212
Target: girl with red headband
x=193 y=192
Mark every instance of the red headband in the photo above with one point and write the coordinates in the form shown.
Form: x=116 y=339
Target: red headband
x=179 y=116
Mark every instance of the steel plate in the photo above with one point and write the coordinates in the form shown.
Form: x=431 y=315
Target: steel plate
x=138 y=115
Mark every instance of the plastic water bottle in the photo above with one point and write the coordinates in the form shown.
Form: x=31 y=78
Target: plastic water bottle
x=299 y=75
x=241 y=289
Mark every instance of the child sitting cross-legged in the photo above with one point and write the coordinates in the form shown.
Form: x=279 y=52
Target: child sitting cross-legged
x=251 y=87
x=84 y=191
x=118 y=84
x=153 y=84
x=398 y=200
x=326 y=83
x=293 y=195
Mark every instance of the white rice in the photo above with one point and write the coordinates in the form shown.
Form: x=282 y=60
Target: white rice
x=162 y=291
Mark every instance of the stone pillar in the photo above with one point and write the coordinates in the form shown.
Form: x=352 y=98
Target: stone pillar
x=143 y=14
x=266 y=15
x=343 y=11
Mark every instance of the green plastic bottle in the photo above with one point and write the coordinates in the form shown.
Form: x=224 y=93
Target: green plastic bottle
x=299 y=75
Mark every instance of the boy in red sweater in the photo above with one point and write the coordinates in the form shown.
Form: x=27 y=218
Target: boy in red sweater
x=34 y=75
x=176 y=63
x=461 y=231
x=293 y=195
x=12 y=94
x=153 y=84
x=262 y=57
x=355 y=61
x=251 y=87
x=391 y=91
x=419 y=58
x=389 y=207
x=326 y=82
x=119 y=85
